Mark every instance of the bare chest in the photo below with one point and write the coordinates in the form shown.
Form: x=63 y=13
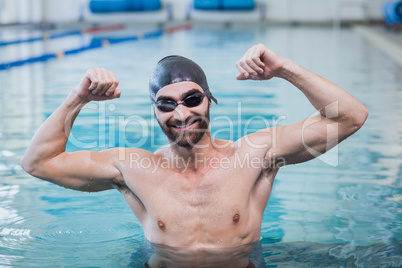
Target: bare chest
x=217 y=205
x=208 y=193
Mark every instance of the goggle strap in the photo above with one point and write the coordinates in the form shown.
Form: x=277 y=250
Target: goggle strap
x=209 y=95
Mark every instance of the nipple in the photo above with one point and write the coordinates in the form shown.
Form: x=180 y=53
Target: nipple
x=236 y=218
x=161 y=225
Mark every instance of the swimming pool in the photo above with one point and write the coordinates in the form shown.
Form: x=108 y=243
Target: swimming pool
x=340 y=211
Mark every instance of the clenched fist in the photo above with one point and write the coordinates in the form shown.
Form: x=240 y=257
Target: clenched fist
x=259 y=63
x=98 y=84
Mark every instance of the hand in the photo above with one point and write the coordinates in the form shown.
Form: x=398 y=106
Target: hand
x=259 y=63
x=98 y=84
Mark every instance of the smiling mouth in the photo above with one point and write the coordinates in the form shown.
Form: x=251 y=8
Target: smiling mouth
x=183 y=127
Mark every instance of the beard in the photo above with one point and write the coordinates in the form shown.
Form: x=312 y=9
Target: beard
x=188 y=138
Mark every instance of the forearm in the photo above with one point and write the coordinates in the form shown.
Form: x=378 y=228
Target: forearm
x=329 y=99
x=51 y=138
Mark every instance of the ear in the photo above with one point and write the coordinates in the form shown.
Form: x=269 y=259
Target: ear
x=209 y=103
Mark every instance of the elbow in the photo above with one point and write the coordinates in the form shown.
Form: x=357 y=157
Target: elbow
x=360 y=118
x=27 y=165
x=363 y=115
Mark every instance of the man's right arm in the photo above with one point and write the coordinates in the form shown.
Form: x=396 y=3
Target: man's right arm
x=46 y=157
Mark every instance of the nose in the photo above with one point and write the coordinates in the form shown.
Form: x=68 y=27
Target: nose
x=181 y=113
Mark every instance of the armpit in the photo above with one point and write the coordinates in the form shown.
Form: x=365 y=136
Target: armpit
x=121 y=186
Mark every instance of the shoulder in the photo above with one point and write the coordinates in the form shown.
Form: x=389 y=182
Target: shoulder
x=219 y=143
x=122 y=157
x=161 y=152
x=133 y=163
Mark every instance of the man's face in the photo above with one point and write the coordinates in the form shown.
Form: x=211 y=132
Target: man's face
x=184 y=126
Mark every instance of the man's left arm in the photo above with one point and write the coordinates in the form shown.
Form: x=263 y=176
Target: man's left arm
x=340 y=114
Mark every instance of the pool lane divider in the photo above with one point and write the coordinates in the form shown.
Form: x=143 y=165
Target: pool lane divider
x=47 y=36
x=96 y=43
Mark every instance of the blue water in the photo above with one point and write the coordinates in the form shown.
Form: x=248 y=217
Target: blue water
x=343 y=210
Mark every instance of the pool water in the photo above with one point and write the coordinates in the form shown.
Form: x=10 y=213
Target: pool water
x=342 y=210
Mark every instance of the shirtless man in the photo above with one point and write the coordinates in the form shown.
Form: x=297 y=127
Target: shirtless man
x=194 y=195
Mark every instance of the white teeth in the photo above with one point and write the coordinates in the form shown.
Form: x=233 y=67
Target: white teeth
x=184 y=126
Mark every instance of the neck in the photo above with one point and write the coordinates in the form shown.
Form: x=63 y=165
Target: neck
x=192 y=158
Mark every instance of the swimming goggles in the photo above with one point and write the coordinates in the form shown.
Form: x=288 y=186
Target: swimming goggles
x=190 y=101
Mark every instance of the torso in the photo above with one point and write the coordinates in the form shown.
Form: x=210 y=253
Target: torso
x=218 y=205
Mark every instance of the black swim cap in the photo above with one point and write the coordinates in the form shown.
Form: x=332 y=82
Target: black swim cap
x=175 y=69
